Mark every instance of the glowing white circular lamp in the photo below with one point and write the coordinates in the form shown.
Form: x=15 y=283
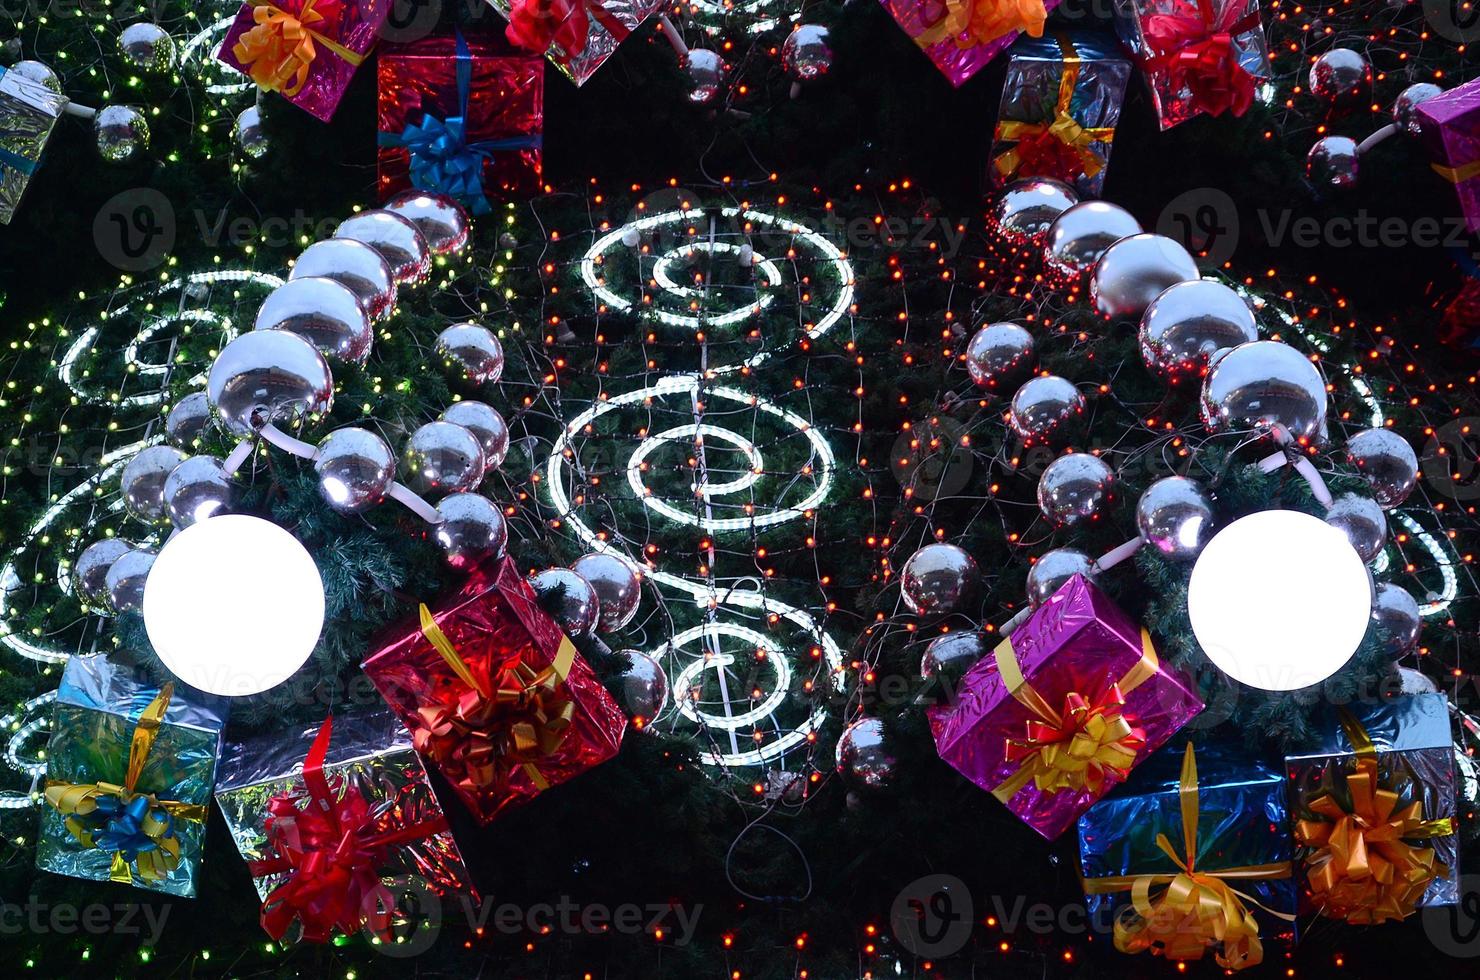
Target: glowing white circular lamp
x=233 y=605
x=1279 y=600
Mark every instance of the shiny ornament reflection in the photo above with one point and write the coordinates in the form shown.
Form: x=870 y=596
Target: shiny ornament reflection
x=355 y=468
x=568 y=598
x=1075 y=489
x=1189 y=322
x=1025 y=209
x=1134 y=271
x=999 y=354
x=938 y=579
x=1262 y=385
x=1175 y=516
x=617 y=588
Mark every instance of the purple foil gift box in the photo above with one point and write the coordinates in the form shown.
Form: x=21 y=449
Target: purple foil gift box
x=1063 y=709
x=943 y=30
x=1451 y=131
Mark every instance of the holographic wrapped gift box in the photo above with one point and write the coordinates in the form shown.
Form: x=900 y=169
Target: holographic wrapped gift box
x=1373 y=804
x=306 y=50
x=1063 y=709
x=576 y=35
x=28 y=112
x=129 y=773
x=495 y=694
x=1237 y=842
x=1199 y=57
x=292 y=801
x=1060 y=104
x=461 y=116
x=961 y=36
x=1450 y=125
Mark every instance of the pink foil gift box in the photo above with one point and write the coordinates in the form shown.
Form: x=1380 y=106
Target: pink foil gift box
x=306 y=50
x=1063 y=710
x=956 y=34
x=1451 y=131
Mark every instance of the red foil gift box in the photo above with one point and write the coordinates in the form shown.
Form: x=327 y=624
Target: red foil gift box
x=460 y=115
x=495 y=695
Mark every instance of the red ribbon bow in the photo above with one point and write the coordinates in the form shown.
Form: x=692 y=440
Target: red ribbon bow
x=1197 y=53
x=537 y=25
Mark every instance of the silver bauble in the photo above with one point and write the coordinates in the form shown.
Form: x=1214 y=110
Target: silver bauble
x=37 y=72
x=1045 y=409
x=442 y=457
x=126 y=578
x=1079 y=236
x=487 y=424
x=1387 y=462
x=187 y=421
x=355 y=468
x=617 y=586
x=707 y=72
x=1184 y=326
x=807 y=54
x=472 y=530
x=1333 y=163
x=197 y=489
x=1405 y=107
x=1342 y=79
x=1175 y=516
x=937 y=579
x=1362 y=521
x=147 y=47
x=120 y=131
x=322 y=312
x=443 y=221
x=1412 y=682
x=863 y=756
x=474 y=350
x=568 y=598
x=1397 y=612
x=398 y=241
x=1075 y=489
x=1025 y=209
x=1134 y=271
x=142 y=483
x=90 y=574
x=641 y=688
x=250 y=134
x=999 y=354
x=1263 y=384
x=268 y=376
x=355 y=266
x=956 y=650
x=1053 y=569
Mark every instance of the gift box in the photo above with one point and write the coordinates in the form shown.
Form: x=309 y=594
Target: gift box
x=1063 y=709
x=292 y=801
x=961 y=36
x=129 y=773
x=306 y=50
x=495 y=694
x=28 y=112
x=1373 y=800
x=576 y=35
x=460 y=116
x=1450 y=128
x=1060 y=104
x=1193 y=855
x=1198 y=56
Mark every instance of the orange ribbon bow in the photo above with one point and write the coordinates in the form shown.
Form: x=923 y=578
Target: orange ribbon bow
x=278 y=51
x=970 y=23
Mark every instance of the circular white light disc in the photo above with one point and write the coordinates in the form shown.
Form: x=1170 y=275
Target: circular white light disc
x=1279 y=600
x=233 y=605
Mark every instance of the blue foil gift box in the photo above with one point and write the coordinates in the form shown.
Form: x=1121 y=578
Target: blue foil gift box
x=130 y=769
x=1193 y=855
x=1372 y=798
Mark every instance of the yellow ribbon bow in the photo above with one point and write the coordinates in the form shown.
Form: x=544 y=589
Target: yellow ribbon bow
x=1064 y=127
x=974 y=22
x=1194 y=909
x=1361 y=867
x=277 y=51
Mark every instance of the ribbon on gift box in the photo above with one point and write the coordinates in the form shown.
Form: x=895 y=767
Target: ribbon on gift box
x=1084 y=744
x=538 y=25
x=1194 y=909
x=138 y=828
x=520 y=716
x=1059 y=148
x=279 y=49
x=332 y=853
x=1197 y=53
x=970 y=23
x=1362 y=868
x=1458 y=175
x=442 y=160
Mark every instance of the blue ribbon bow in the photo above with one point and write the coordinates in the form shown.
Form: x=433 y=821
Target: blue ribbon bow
x=120 y=826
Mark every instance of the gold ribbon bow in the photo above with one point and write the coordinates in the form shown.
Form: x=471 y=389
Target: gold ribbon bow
x=277 y=51
x=1195 y=909
x=970 y=23
x=1362 y=868
x=1458 y=175
x=1064 y=127
x=76 y=801
x=1080 y=746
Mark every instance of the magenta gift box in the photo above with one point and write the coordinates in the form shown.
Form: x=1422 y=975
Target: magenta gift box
x=1451 y=132
x=1063 y=709
x=958 y=56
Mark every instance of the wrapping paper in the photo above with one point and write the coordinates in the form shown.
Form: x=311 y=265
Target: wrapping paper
x=460 y=116
x=306 y=50
x=1198 y=56
x=961 y=36
x=28 y=113
x=1450 y=126
x=399 y=826
x=1242 y=823
x=534 y=714
x=1094 y=669
x=576 y=35
x=99 y=709
x=1059 y=108
x=1411 y=756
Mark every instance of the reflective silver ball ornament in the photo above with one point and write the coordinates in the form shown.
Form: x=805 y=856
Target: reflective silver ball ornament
x=442 y=457
x=126 y=578
x=148 y=48
x=120 y=132
x=197 y=489
x=1397 y=612
x=1189 y=322
x=641 y=688
x=807 y=54
x=1362 y=521
x=250 y=134
x=322 y=312
x=472 y=530
x=487 y=424
x=474 y=350
x=1075 y=489
x=955 y=651
x=142 y=483
x=937 y=579
x=1260 y=385
x=90 y=573
x=999 y=354
x=398 y=241
x=1134 y=271
x=1045 y=410
x=1342 y=79
x=187 y=421
x=568 y=598
x=1175 y=516
x=1387 y=462
x=863 y=756
x=617 y=586
x=1412 y=682
x=1053 y=569
x=39 y=73
x=442 y=221
x=1078 y=237
x=355 y=468
x=355 y=266
x=1405 y=107
x=1025 y=209
x=707 y=72
x=1333 y=163
x=268 y=376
